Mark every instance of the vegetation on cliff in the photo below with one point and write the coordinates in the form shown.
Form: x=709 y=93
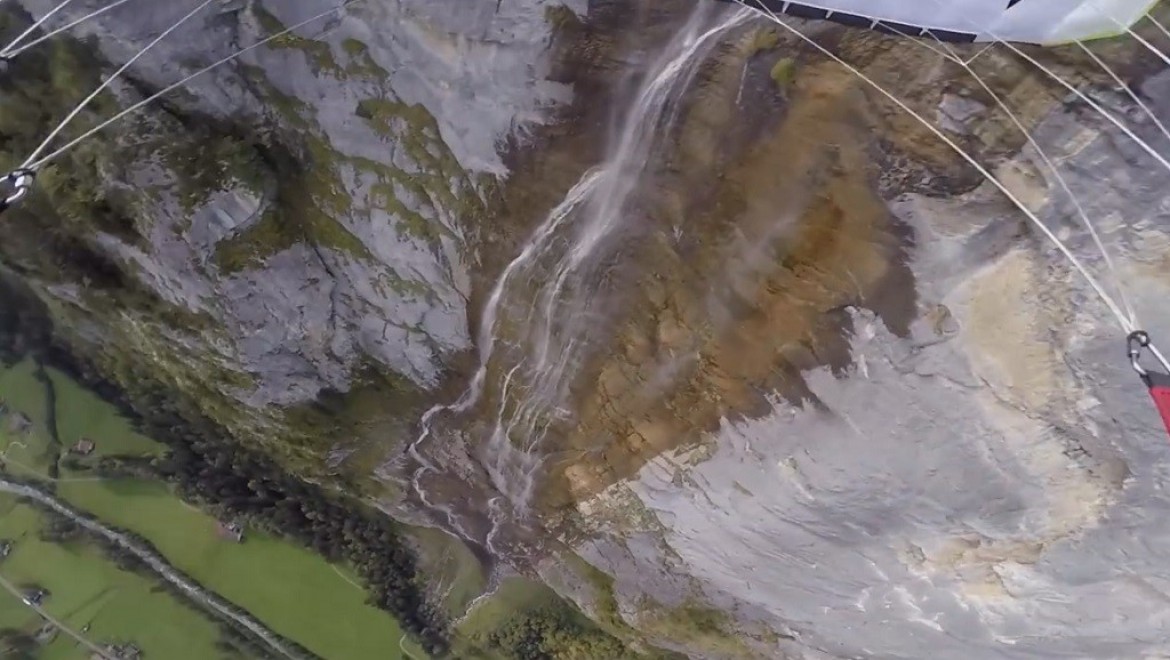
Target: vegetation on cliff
x=209 y=468
x=525 y=620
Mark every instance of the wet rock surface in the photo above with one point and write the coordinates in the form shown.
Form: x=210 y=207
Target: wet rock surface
x=975 y=479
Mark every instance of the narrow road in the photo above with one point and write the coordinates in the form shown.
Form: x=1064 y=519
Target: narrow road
x=159 y=566
x=11 y=588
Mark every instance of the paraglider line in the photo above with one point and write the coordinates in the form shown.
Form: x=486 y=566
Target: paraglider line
x=1149 y=46
x=1092 y=281
x=1128 y=90
x=4 y=54
x=28 y=163
x=169 y=88
x=948 y=53
x=11 y=51
x=969 y=59
x=1130 y=31
x=1076 y=92
x=1156 y=22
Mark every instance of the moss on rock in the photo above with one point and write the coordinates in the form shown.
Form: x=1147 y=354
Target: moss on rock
x=285 y=158
x=695 y=626
x=318 y=53
x=764 y=39
x=361 y=63
x=783 y=73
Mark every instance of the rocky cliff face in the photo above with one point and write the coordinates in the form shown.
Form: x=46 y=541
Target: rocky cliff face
x=829 y=395
x=351 y=165
x=976 y=472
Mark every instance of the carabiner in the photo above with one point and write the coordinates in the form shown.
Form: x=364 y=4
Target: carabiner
x=1134 y=343
x=1138 y=340
x=1157 y=382
x=21 y=182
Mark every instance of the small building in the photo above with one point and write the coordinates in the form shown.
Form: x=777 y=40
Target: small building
x=83 y=447
x=19 y=423
x=230 y=530
x=120 y=651
x=5 y=547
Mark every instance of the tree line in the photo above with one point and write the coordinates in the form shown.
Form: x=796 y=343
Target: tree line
x=209 y=468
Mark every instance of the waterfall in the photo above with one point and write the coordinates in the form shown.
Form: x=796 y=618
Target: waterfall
x=535 y=325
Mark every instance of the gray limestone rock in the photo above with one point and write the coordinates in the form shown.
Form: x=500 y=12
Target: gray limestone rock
x=305 y=317
x=990 y=487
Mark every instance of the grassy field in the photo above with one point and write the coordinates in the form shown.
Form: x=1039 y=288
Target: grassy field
x=81 y=413
x=86 y=588
x=293 y=591
x=30 y=453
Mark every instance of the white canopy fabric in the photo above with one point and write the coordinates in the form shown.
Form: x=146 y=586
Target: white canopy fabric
x=1033 y=21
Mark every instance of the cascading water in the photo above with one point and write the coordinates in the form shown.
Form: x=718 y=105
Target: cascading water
x=533 y=356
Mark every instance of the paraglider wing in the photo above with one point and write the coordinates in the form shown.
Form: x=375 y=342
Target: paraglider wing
x=1159 y=385
x=1032 y=21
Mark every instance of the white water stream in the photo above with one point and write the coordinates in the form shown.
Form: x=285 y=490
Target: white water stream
x=535 y=326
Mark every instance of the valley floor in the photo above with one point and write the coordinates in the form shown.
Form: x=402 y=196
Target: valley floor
x=59 y=436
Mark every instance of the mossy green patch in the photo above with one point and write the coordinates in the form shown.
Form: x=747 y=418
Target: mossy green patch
x=250 y=248
x=783 y=73
x=211 y=162
x=318 y=53
x=560 y=17
x=412 y=223
x=360 y=415
x=605 y=605
x=361 y=63
x=284 y=108
x=322 y=180
x=453 y=570
x=440 y=181
x=307 y=208
x=763 y=39
x=354 y=47
x=695 y=626
x=417 y=130
x=407 y=288
x=524 y=618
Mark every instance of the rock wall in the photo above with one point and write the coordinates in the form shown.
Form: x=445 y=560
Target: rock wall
x=886 y=420
x=987 y=484
x=339 y=234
